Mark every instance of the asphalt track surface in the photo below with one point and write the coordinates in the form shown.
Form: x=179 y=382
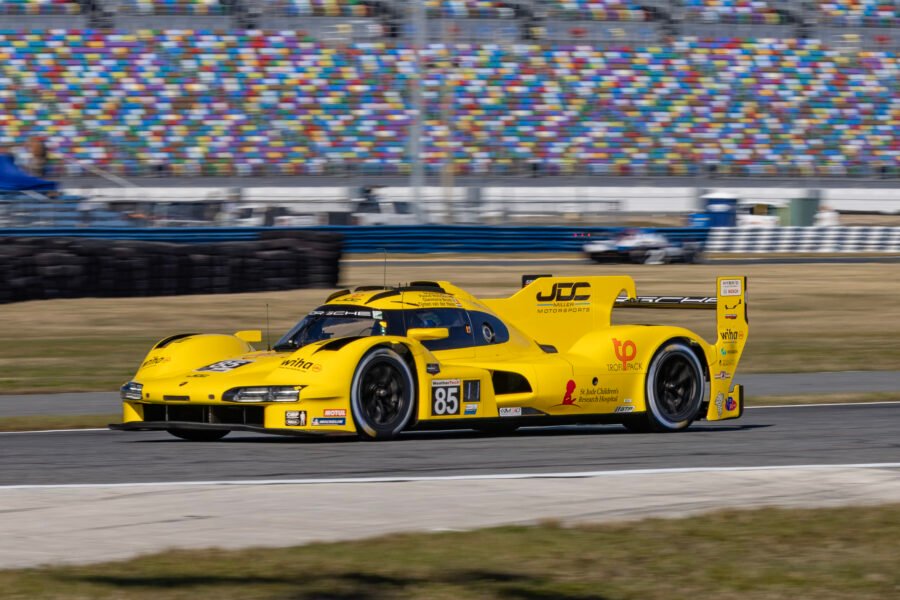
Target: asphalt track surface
x=763 y=437
x=780 y=384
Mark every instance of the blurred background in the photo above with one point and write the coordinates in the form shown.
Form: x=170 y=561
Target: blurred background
x=299 y=113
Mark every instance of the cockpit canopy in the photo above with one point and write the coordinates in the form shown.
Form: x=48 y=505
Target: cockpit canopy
x=333 y=321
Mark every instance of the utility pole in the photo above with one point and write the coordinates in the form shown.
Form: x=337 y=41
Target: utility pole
x=417 y=175
x=447 y=95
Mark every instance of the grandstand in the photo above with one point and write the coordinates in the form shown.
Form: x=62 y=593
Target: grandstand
x=560 y=87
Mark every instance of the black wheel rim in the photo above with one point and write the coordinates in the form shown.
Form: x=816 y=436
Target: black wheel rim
x=381 y=393
x=677 y=387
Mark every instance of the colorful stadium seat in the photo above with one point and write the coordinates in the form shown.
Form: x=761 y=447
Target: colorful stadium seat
x=204 y=102
x=872 y=13
x=39 y=7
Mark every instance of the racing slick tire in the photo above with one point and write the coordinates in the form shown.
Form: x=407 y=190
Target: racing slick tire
x=199 y=435
x=382 y=395
x=675 y=386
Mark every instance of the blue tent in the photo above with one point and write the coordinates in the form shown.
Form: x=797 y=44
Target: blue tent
x=12 y=178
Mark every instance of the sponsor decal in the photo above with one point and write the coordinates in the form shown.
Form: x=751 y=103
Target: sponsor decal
x=723 y=375
x=730 y=287
x=625 y=353
x=595 y=395
x=730 y=404
x=223 y=366
x=193 y=375
x=445 y=397
x=720 y=399
x=365 y=314
x=511 y=411
x=627 y=400
x=335 y=412
x=301 y=365
x=432 y=368
x=678 y=300
x=731 y=336
x=327 y=422
x=471 y=409
x=295 y=418
x=568 y=400
x=564 y=298
x=624 y=409
x=156 y=360
x=730 y=316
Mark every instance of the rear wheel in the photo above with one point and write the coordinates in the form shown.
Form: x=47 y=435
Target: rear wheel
x=382 y=395
x=199 y=435
x=675 y=390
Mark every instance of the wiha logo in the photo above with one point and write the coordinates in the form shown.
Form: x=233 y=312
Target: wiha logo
x=299 y=363
x=625 y=352
x=565 y=292
x=730 y=335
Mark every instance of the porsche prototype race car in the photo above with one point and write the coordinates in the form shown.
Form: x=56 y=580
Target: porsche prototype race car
x=642 y=247
x=377 y=361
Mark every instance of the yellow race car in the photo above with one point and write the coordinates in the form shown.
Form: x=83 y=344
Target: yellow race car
x=377 y=361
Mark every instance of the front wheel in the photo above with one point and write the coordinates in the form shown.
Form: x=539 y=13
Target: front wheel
x=382 y=395
x=675 y=388
x=199 y=435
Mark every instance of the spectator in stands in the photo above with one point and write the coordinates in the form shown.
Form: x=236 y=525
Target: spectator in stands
x=38 y=149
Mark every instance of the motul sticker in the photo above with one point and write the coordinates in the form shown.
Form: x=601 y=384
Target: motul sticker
x=730 y=287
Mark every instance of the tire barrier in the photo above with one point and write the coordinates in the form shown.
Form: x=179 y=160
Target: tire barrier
x=37 y=268
x=803 y=239
x=395 y=239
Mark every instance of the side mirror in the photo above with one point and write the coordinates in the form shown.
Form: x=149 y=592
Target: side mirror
x=428 y=333
x=251 y=336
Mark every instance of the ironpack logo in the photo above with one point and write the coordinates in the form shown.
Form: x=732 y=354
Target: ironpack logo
x=564 y=297
x=625 y=353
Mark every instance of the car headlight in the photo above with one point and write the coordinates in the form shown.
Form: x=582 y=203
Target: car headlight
x=132 y=391
x=277 y=393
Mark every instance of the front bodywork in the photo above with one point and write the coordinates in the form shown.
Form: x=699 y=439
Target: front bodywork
x=547 y=354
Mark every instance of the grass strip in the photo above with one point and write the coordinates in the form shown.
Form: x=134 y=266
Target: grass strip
x=747 y=555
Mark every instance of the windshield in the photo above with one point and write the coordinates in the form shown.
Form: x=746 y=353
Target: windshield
x=334 y=321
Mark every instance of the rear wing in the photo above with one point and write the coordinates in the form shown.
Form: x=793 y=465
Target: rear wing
x=703 y=302
x=732 y=327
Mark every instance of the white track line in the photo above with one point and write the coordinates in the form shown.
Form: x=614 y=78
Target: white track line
x=52 y=431
x=402 y=479
x=823 y=404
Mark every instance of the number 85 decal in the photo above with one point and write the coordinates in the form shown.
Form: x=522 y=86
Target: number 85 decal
x=445 y=397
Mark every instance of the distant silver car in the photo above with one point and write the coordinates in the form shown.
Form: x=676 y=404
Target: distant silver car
x=642 y=247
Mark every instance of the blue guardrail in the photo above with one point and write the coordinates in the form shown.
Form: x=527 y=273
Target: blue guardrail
x=402 y=239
